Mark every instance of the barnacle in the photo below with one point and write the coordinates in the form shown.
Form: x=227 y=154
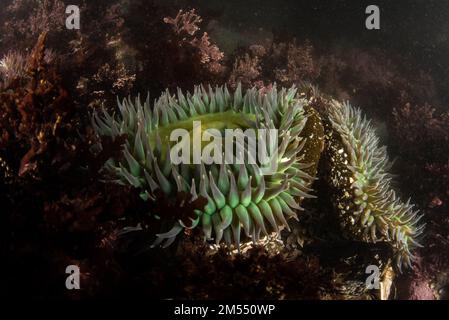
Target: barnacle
x=240 y=196
x=367 y=206
x=243 y=196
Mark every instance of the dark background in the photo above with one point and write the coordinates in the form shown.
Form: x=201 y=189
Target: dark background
x=412 y=28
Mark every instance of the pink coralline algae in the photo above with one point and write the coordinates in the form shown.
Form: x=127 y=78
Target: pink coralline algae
x=185 y=25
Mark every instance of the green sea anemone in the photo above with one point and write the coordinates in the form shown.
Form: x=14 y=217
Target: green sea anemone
x=368 y=208
x=243 y=196
x=238 y=196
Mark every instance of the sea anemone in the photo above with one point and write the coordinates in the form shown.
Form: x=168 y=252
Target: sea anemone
x=243 y=195
x=368 y=207
x=12 y=66
x=240 y=196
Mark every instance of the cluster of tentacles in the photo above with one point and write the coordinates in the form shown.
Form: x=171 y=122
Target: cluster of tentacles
x=243 y=199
